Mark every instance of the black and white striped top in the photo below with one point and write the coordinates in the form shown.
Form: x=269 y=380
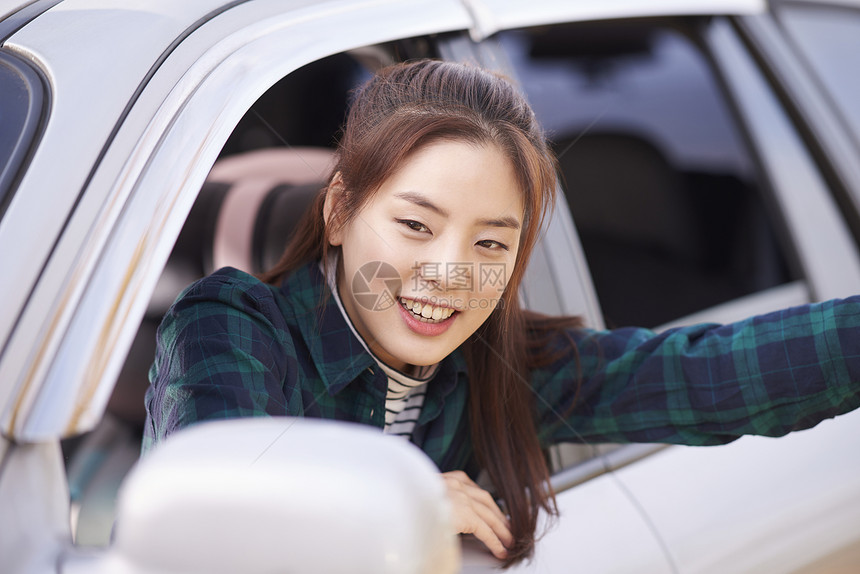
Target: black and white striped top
x=406 y=392
x=405 y=398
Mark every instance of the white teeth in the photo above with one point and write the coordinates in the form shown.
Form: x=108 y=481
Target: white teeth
x=426 y=312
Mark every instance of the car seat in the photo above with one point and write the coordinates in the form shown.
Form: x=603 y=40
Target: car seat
x=662 y=241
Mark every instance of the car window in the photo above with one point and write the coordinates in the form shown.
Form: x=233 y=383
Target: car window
x=659 y=180
x=21 y=98
x=828 y=37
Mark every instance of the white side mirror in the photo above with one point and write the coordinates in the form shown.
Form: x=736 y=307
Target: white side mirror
x=282 y=495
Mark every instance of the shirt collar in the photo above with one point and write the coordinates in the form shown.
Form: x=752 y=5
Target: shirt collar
x=338 y=355
x=452 y=371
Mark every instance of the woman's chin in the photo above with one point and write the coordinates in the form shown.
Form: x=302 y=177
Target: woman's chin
x=419 y=353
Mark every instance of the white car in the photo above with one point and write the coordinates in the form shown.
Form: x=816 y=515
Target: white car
x=146 y=143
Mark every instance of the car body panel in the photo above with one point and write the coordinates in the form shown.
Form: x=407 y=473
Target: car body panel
x=35 y=515
x=707 y=519
x=15 y=14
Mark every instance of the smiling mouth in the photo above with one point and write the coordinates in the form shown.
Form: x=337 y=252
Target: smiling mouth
x=425 y=312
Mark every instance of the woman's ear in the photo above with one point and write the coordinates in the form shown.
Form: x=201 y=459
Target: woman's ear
x=333 y=195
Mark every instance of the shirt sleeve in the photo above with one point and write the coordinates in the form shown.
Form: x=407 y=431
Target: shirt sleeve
x=705 y=384
x=220 y=354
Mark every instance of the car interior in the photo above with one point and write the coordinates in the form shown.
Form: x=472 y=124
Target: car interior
x=649 y=225
x=657 y=176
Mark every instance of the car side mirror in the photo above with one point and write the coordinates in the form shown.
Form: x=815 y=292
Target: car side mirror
x=283 y=495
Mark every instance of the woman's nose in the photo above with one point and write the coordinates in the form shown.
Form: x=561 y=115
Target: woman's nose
x=448 y=270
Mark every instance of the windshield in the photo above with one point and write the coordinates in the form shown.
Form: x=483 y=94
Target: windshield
x=21 y=103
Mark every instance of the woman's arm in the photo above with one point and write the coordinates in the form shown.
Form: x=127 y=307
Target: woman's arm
x=221 y=354
x=705 y=384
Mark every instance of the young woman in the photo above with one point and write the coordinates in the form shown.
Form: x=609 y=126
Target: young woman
x=396 y=306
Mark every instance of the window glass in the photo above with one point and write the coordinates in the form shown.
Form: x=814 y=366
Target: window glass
x=20 y=110
x=829 y=39
x=660 y=184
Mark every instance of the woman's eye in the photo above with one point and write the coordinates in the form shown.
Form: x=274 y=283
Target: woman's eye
x=414 y=225
x=490 y=244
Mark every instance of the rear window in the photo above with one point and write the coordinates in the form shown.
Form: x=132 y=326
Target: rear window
x=656 y=172
x=21 y=104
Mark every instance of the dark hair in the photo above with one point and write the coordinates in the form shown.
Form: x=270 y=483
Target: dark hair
x=404 y=108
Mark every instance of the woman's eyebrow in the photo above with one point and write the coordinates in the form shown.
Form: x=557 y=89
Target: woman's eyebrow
x=500 y=222
x=422 y=201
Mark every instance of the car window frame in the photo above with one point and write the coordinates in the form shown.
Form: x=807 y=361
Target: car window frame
x=827 y=135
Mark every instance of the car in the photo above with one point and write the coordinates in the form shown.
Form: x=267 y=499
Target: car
x=709 y=160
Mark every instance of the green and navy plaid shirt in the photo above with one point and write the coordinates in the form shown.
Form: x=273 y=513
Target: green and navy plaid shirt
x=232 y=346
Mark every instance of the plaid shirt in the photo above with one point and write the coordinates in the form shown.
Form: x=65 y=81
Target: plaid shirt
x=232 y=346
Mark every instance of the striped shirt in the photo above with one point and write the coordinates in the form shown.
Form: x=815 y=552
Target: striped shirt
x=403 y=402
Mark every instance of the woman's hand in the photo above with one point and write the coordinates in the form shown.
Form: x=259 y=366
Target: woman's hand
x=475 y=512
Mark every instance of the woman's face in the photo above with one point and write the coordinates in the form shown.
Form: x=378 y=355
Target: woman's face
x=424 y=263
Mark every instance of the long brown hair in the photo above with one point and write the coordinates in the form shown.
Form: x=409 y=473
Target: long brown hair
x=400 y=110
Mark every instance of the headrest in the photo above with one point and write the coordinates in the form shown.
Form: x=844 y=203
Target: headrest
x=244 y=216
x=268 y=191
x=624 y=187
